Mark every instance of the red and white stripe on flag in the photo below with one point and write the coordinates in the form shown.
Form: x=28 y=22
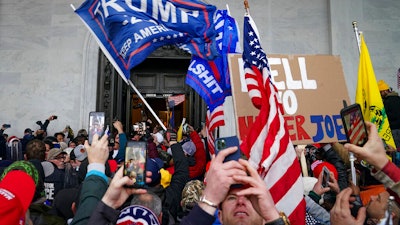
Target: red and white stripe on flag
x=258 y=58
x=214 y=119
x=252 y=87
x=268 y=145
x=178 y=99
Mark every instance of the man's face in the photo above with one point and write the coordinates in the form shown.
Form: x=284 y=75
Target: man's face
x=60 y=138
x=384 y=93
x=116 y=146
x=59 y=161
x=238 y=210
x=378 y=205
x=75 y=163
x=72 y=144
x=136 y=137
x=47 y=147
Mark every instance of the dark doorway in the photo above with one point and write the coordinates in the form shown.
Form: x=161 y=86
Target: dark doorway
x=159 y=76
x=159 y=105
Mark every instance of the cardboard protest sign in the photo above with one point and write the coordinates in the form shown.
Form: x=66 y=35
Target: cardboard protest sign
x=312 y=89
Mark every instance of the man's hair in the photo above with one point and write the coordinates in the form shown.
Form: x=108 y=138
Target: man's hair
x=149 y=200
x=82 y=132
x=59 y=133
x=35 y=149
x=80 y=140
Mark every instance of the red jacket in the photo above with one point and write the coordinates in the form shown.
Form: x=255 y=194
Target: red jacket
x=390 y=177
x=200 y=156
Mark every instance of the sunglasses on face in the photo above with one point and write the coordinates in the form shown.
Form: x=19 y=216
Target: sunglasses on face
x=62 y=157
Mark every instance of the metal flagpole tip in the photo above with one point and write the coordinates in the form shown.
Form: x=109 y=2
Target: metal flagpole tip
x=354 y=23
x=246 y=4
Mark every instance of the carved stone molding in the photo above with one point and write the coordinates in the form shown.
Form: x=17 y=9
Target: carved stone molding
x=89 y=79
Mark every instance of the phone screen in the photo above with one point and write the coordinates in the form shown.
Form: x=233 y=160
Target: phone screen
x=354 y=126
x=325 y=177
x=96 y=124
x=135 y=162
x=226 y=142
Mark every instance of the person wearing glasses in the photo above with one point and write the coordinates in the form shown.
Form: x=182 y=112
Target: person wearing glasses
x=54 y=173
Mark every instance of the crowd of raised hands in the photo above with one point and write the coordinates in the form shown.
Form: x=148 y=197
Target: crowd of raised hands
x=222 y=198
x=233 y=191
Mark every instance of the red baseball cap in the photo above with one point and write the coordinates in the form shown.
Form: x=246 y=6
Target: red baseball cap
x=318 y=165
x=16 y=193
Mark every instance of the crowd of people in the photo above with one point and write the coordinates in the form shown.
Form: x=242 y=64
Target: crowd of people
x=62 y=179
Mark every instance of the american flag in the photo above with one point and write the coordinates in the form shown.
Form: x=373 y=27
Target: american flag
x=268 y=145
x=356 y=129
x=178 y=99
x=210 y=131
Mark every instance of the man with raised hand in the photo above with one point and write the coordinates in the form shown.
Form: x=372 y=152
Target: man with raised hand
x=247 y=203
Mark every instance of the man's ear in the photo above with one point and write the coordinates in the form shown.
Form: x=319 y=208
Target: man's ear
x=220 y=214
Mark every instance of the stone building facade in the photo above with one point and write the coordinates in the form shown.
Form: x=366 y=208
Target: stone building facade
x=50 y=63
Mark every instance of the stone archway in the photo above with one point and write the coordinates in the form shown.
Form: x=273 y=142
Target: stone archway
x=90 y=56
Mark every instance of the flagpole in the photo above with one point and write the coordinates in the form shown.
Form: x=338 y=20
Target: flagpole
x=147 y=104
x=168 y=111
x=116 y=67
x=352 y=158
x=357 y=33
x=246 y=7
x=227 y=9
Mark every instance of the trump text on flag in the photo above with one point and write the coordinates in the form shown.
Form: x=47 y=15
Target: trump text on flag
x=129 y=31
x=311 y=88
x=165 y=11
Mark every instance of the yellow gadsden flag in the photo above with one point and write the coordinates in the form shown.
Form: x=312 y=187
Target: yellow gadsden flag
x=369 y=98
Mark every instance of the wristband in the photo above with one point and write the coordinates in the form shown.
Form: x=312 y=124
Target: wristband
x=207 y=202
x=314 y=196
x=282 y=220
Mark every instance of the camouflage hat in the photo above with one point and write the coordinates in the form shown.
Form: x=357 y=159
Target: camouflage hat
x=191 y=194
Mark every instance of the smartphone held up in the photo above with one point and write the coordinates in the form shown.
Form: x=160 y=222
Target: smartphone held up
x=135 y=162
x=354 y=125
x=356 y=132
x=226 y=142
x=325 y=177
x=96 y=124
